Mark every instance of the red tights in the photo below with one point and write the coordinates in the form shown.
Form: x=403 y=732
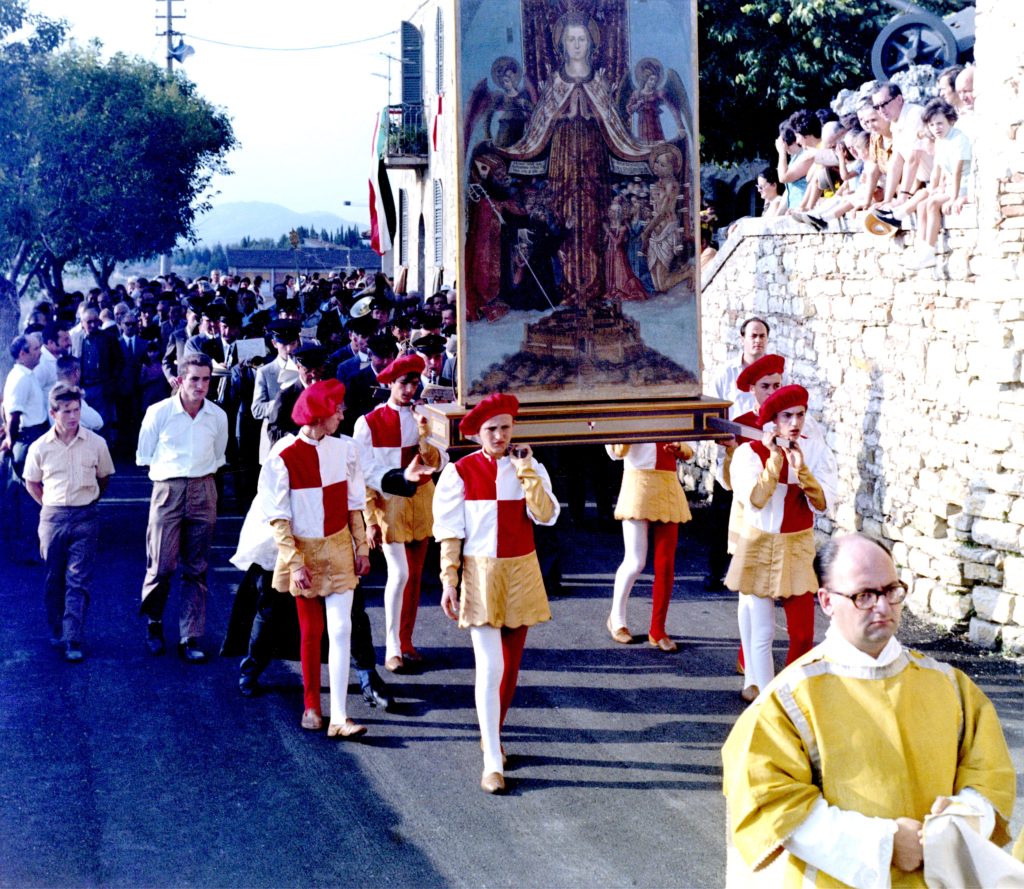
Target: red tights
x=311 y=631
x=416 y=555
x=666 y=538
x=513 y=639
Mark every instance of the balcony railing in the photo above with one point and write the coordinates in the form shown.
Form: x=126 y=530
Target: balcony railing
x=407 y=136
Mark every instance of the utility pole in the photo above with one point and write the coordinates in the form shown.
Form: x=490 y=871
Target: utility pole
x=173 y=55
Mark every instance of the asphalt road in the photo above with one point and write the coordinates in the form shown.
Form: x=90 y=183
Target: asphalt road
x=130 y=770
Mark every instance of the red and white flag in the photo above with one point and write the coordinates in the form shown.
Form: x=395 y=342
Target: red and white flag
x=382 y=202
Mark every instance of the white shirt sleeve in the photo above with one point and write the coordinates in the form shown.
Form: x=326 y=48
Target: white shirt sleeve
x=373 y=472
x=853 y=848
x=449 y=505
x=356 y=483
x=220 y=443
x=274 y=489
x=91 y=418
x=826 y=471
x=149 y=436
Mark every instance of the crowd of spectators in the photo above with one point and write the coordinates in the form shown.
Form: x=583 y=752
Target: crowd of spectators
x=895 y=162
x=122 y=347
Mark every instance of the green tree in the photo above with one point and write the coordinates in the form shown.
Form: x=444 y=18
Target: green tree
x=19 y=158
x=761 y=60
x=126 y=155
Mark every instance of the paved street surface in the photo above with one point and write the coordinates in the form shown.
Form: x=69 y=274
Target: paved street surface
x=130 y=770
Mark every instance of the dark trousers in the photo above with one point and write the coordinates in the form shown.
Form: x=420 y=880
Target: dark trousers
x=68 y=536
x=269 y=608
x=718 y=532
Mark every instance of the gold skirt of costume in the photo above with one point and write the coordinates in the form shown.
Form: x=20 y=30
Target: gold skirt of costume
x=774 y=566
x=402 y=519
x=331 y=564
x=502 y=592
x=652 y=494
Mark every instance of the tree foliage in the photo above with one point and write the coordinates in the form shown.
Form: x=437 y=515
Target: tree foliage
x=762 y=59
x=101 y=162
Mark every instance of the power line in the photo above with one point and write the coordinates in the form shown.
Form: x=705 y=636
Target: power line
x=293 y=48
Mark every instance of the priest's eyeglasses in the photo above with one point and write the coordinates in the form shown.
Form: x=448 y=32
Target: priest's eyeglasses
x=865 y=600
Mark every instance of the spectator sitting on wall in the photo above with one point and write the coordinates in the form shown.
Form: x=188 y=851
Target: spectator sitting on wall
x=823 y=178
x=772 y=192
x=948 y=190
x=794 y=158
x=853 y=154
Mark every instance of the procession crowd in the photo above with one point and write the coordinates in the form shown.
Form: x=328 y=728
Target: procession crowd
x=304 y=404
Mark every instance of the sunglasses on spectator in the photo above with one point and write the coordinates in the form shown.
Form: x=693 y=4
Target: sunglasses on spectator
x=881 y=105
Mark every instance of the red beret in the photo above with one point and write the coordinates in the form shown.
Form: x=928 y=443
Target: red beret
x=318 y=402
x=781 y=400
x=410 y=363
x=765 y=366
x=494 y=404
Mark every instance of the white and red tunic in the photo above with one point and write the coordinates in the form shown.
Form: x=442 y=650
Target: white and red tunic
x=314 y=485
x=487 y=504
x=650 y=487
x=388 y=438
x=775 y=549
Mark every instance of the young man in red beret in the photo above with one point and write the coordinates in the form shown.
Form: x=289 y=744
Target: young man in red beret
x=394 y=437
x=484 y=510
x=780 y=488
x=312 y=494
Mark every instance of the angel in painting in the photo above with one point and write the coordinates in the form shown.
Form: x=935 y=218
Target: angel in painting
x=504 y=112
x=652 y=92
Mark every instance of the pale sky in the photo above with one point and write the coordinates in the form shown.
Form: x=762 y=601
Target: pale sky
x=304 y=119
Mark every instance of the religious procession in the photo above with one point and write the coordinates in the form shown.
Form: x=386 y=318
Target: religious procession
x=584 y=348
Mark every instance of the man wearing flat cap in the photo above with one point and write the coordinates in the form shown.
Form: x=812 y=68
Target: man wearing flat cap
x=284 y=336
x=394 y=437
x=781 y=481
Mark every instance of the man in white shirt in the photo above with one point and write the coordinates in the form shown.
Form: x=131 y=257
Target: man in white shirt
x=838 y=762
x=754 y=343
x=24 y=403
x=56 y=342
x=183 y=441
x=908 y=145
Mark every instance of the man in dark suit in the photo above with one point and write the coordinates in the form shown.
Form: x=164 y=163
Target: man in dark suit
x=178 y=338
x=362 y=391
x=101 y=360
x=359 y=330
x=129 y=390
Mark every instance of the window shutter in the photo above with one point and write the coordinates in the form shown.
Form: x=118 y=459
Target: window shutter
x=412 y=65
x=438 y=223
x=439 y=36
x=403 y=227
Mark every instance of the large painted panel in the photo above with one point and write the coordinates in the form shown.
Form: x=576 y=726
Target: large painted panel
x=578 y=200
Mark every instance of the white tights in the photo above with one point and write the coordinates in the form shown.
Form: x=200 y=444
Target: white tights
x=339 y=638
x=398 y=576
x=490 y=667
x=756 y=615
x=634 y=539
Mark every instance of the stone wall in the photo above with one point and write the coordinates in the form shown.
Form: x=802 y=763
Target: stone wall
x=916 y=376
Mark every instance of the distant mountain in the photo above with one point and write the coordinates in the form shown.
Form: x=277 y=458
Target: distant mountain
x=229 y=223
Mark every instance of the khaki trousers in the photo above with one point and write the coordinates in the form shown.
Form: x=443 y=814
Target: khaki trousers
x=182 y=516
